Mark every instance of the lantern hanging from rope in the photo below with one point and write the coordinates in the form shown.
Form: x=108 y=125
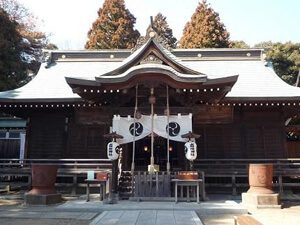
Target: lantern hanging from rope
x=190 y=149
x=113 y=150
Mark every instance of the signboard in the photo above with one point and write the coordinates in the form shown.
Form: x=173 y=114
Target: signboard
x=213 y=114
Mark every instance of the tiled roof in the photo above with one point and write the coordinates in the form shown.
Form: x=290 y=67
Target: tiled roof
x=50 y=84
x=255 y=81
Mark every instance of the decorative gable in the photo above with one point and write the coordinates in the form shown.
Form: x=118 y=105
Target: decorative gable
x=151 y=58
x=152 y=52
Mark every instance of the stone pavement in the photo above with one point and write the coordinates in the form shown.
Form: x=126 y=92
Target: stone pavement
x=77 y=211
x=148 y=217
x=213 y=206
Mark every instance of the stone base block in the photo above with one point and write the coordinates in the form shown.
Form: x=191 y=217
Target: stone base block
x=113 y=198
x=38 y=199
x=261 y=201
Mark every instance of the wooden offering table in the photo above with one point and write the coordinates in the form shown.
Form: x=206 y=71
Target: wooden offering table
x=188 y=183
x=102 y=184
x=190 y=179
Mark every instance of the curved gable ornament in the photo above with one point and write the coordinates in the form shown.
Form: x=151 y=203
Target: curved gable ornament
x=151 y=58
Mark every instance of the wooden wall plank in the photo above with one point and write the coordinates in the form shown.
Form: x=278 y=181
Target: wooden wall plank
x=46 y=136
x=87 y=141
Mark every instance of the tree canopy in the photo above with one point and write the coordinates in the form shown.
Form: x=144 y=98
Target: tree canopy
x=163 y=30
x=33 y=40
x=285 y=58
x=205 y=30
x=12 y=69
x=114 y=27
x=239 y=44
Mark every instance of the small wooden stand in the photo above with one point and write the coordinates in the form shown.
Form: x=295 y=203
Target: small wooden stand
x=102 y=184
x=189 y=183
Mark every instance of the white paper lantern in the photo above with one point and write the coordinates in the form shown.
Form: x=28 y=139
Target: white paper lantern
x=113 y=150
x=190 y=149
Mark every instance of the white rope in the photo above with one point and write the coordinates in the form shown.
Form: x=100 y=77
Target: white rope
x=152 y=134
x=168 y=140
x=134 y=131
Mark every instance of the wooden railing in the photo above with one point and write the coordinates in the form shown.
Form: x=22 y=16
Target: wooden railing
x=233 y=173
x=16 y=171
x=152 y=185
x=159 y=185
x=221 y=175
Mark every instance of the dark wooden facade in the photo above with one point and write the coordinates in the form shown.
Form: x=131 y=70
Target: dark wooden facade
x=238 y=132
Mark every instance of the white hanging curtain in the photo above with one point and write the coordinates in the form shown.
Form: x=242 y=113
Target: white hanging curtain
x=125 y=127
x=178 y=125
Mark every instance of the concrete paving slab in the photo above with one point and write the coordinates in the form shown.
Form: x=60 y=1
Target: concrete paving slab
x=98 y=218
x=196 y=219
x=42 y=222
x=129 y=217
x=112 y=217
x=86 y=216
x=184 y=217
x=221 y=219
x=165 y=217
x=147 y=217
x=210 y=207
x=49 y=215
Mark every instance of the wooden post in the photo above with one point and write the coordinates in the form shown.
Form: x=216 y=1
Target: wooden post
x=280 y=184
x=157 y=183
x=151 y=187
x=74 y=185
x=169 y=185
x=114 y=182
x=233 y=181
x=163 y=184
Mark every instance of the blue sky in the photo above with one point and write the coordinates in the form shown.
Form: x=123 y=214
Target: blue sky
x=253 y=21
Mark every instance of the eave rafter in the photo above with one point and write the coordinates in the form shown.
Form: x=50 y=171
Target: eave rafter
x=185 y=96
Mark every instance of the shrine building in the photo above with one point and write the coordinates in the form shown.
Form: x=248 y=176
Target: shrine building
x=231 y=98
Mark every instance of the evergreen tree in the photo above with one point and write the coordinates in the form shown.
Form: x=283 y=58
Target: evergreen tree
x=12 y=69
x=285 y=58
x=205 y=30
x=33 y=40
x=114 y=28
x=163 y=30
x=239 y=44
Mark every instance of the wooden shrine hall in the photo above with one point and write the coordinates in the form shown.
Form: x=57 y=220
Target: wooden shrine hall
x=234 y=101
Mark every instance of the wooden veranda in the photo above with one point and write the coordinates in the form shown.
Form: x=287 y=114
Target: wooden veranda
x=228 y=176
